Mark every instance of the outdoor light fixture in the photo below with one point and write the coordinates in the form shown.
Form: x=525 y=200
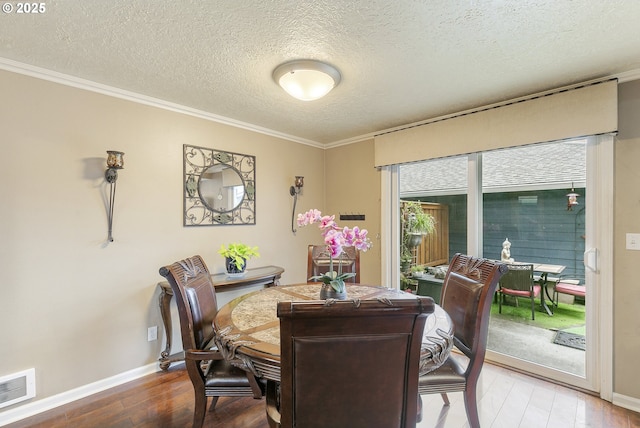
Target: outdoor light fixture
x=294 y=191
x=115 y=162
x=572 y=198
x=307 y=79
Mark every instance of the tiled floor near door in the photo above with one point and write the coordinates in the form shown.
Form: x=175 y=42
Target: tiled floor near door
x=508 y=400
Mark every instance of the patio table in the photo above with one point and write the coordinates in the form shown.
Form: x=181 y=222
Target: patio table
x=545 y=270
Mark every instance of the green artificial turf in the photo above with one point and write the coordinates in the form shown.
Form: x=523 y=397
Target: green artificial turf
x=564 y=316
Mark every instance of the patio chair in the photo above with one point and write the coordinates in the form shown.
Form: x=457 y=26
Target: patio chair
x=519 y=282
x=467 y=293
x=571 y=287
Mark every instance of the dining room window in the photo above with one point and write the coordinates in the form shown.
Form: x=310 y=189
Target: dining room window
x=525 y=201
x=523 y=198
x=443 y=182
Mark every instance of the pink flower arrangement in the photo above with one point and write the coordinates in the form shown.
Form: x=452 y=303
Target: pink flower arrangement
x=336 y=239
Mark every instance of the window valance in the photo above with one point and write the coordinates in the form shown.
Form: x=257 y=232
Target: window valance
x=589 y=109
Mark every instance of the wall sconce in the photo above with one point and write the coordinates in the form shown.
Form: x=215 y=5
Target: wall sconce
x=572 y=198
x=294 y=191
x=114 y=163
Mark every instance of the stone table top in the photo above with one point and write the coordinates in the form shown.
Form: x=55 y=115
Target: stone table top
x=248 y=328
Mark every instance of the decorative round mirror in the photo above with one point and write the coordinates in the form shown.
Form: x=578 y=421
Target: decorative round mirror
x=221 y=188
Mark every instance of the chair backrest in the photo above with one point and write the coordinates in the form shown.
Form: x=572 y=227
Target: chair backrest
x=518 y=277
x=196 y=300
x=467 y=292
x=351 y=363
x=319 y=256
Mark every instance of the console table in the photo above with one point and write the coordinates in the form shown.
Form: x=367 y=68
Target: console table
x=267 y=276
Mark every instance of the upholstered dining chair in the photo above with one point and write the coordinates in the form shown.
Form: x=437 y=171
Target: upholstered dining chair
x=318 y=261
x=210 y=373
x=519 y=282
x=467 y=293
x=348 y=364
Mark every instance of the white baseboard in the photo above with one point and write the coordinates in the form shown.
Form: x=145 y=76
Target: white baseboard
x=34 y=407
x=626 y=402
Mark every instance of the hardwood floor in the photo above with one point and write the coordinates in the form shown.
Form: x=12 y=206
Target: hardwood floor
x=506 y=399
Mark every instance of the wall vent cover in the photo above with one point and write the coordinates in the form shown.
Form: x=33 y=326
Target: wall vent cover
x=17 y=387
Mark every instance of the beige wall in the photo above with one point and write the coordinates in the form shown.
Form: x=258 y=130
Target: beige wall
x=626 y=288
x=74 y=307
x=353 y=187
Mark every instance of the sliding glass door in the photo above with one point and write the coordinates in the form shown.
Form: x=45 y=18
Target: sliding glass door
x=534 y=202
x=521 y=195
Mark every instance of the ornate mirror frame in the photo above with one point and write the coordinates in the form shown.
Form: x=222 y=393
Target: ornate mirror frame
x=199 y=212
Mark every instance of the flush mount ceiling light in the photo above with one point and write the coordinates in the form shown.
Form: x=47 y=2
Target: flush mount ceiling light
x=307 y=79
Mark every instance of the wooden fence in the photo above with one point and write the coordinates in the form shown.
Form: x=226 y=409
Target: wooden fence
x=434 y=249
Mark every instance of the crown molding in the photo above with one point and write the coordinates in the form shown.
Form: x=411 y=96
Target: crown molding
x=351 y=140
x=627 y=76
x=76 y=82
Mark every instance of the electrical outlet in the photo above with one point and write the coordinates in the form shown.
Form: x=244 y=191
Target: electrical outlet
x=633 y=241
x=152 y=333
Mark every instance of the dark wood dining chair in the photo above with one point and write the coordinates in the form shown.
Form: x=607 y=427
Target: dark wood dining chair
x=467 y=293
x=210 y=373
x=318 y=262
x=519 y=282
x=348 y=364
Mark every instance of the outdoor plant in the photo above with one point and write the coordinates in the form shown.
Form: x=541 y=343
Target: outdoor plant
x=415 y=220
x=238 y=254
x=408 y=284
x=418 y=269
x=336 y=239
x=405 y=258
x=415 y=225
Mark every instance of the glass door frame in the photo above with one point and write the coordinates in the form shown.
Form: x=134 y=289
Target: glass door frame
x=599 y=255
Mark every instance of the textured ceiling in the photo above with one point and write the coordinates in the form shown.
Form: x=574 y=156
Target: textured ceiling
x=401 y=61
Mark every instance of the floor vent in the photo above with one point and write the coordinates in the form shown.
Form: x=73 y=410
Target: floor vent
x=17 y=387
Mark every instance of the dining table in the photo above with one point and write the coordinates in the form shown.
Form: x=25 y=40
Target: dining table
x=247 y=329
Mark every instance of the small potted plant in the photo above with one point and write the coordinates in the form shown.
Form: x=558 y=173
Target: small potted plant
x=236 y=256
x=336 y=239
x=407 y=284
x=417 y=271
